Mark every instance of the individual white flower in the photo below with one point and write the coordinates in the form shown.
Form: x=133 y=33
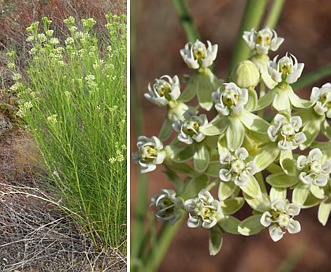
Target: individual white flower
x=315 y=168
x=197 y=55
x=262 y=41
x=163 y=90
x=285 y=69
x=203 y=211
x=322 y=99
x=189 y=128
x=280 y=218
x=168 y=205
x=286 y=132
x=150 y=152
x=230 y=100
x=236 y=166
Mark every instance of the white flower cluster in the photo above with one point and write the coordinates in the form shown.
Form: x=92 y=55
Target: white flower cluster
x=240 y=141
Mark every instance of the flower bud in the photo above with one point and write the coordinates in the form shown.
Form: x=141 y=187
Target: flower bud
x=246 y=74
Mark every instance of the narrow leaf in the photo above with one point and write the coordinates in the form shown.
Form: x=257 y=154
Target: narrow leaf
x=166 y=130
x=300 y=194
x=324 y=211
x=266 y=156
x=230 y=224
x=235 y=134
x=226 y=189
x=281 y=180
x=277 y=193
x=231 y=205
x=252 y=188
x=215 y=241
x=250 y=225
x=194 y=186
x=201 y=158
x=261 y=204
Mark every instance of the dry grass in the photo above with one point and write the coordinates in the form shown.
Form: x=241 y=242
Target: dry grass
x=36 y=236
x=35 y=233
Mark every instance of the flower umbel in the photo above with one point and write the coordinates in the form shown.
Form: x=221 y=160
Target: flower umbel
x=262 y=41
x=163 y=90
x=280 y=217
x=189 y=128
x=150 y=152
x=286 y=132
x=236 y=166
x=168 y=205
x=197 y=55
x=203 y=211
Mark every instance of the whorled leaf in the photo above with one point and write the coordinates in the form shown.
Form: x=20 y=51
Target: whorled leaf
x=300 y=194
x=266 y=156
x=230 y=224
x=226 y=189
x=201 y=158
x=250 y=225
x=277 y=193
x=194 y=186
x=215 y=241
x=281 y=180
x=261 y=204
x=231 y=205
x=235 y=134
x=324 y=210
x=252 y=188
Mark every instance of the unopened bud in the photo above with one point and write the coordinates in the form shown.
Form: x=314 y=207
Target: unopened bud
x=246 y=74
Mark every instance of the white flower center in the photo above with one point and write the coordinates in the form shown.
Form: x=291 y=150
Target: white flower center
x=163 y=89
x=148 y=154
x=315 y=167
x=238 y=166
x=326 y=100
x=283 y=220
x=285 y=66
x=263 y=39
x=230 y=97
x=191 y=127
x=199 y=51
x=288 y=132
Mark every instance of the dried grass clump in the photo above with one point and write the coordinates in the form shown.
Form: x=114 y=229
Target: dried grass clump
x=36 y=236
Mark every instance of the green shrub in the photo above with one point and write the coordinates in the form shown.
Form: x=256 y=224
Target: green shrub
x=73 y=99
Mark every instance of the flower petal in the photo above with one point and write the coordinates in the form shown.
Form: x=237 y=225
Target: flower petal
x=294 y=226
x=276 y=233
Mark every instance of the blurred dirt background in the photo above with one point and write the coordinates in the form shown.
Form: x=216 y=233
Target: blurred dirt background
x=306 y=27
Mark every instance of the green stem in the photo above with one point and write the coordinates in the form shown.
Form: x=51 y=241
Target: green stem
x=186 y=20
x=312 y=77
x=274 y=14
x=253 y=13
x=164 y=238
x=141 y=200
x=261 y=94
